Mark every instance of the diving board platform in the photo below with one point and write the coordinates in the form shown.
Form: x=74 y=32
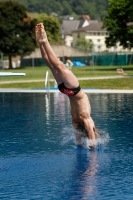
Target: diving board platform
x=11 y=74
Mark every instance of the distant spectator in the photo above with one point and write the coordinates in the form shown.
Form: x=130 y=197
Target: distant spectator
x=91 y=63
x=68 y=63
x=120 y=71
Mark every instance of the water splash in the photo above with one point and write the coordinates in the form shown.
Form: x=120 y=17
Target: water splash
x=102 y=141
x=68 y=137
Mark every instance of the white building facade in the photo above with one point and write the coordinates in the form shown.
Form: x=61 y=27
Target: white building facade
x=97 y=35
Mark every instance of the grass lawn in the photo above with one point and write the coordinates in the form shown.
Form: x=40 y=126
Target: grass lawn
x=38 y=73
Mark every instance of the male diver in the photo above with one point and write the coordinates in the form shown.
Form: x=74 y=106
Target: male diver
x=68 y=84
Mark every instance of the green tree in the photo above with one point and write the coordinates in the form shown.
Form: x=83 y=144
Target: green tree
x=83 y=45
x=66 y=8
x=52 y=27
x=119 y=23
x=16 y=30
x=96 y=8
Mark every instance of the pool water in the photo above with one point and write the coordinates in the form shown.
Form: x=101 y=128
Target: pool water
x=40 y=160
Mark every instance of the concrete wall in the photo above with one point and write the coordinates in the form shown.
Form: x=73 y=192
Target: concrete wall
x=60 y=51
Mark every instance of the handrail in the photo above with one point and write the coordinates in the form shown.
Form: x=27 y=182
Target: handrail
x=47 y=80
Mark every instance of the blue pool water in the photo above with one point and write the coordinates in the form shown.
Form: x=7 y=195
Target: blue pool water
x=39 y=158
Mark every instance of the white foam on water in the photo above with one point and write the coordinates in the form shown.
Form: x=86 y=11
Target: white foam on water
x=102 y=141
x=68 y=137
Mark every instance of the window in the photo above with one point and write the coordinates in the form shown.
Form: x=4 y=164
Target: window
x=99 y=47
x=78 y=35
x=98 y=40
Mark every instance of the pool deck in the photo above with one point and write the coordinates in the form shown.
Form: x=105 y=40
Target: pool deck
x=53 y=90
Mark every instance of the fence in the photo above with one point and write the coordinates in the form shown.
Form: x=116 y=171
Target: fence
x=96 y=59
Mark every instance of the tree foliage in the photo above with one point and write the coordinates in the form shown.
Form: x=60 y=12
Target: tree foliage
x=17 y=30
x=52 y=27
x=84 y=45
x=95 y=8
x=119 y=23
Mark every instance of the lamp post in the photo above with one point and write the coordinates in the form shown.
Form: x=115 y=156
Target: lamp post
x=2 y=62
x=62 y=37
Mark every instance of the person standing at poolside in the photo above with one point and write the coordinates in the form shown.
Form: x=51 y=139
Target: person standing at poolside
x=68 y=63
x=68 y=84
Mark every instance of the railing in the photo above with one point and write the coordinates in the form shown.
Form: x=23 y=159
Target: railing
x=47 y=81
x=55 y=84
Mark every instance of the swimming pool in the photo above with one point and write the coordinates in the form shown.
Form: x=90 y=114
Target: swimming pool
x=39 y=158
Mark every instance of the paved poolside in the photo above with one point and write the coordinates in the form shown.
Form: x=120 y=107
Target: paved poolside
x=81 y=78
x=52 y=90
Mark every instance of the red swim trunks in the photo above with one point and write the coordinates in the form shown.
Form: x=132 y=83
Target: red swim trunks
x=68 y=91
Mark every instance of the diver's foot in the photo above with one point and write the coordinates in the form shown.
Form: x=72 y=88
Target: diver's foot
x=41 y=36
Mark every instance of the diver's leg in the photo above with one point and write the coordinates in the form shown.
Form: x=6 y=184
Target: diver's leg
x=53 y=70
x=64 y=74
